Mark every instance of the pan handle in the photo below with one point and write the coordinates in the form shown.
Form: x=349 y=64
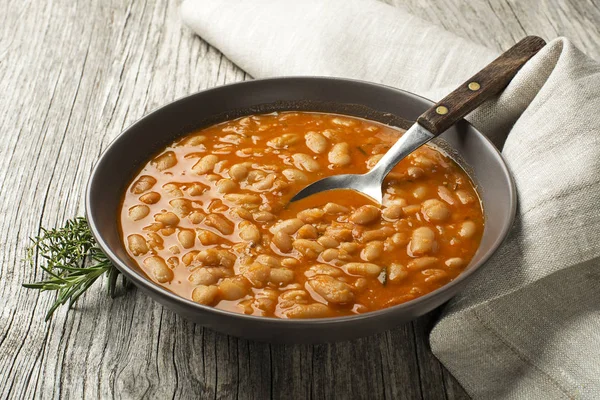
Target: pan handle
x=483 y=85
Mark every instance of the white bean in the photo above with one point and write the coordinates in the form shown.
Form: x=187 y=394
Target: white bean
x=264 y=184
x=226 y=186
x=144 y=182
x=314 y=310
x=161 y=272
x=396 y=273
x=232 y=289
x=434 y=274
x=249 y=232
x=420 y=192
x=172 y=190
x=284 y=141
x=308 y=248
x=372 y=251
x=422 y=240
x=340 y=155
x=465 y=197
x=288 y=226
x=167 y=218
x=243 y=198
x=257 y=274
x=330 y=254
x=242 y=213
x=205 y=294
x=360 y=284
x=165 y=161
x=290 y=262
x=205 y=164
x=173 y=261
x=263 y=216
x=328 y=242
x=268 y=260
x=468 y=229
x=150 y=198
x=415 y=172
x=376 y=234
x=220 y=223
x=207 y=237
x=138 y=212
x=311 y=215
x=137 y=245
x=187 y=238
x=333 y=208
x=423 y=161
x=305 y=162
x=338 y=233
x=396 y=240
x=307 y=232
x=216 y=258
x=446 y=195
x=188 y=258
x=365 y=215
x=435 y=210
x=292 y=297
x=294 y=175
x=205 y=276
x=343 y=121
x=392 y=212
x=422 y=263
x=316 y=142
x=349 y=247
x=283 y=241
x=455 y=262
x=238 y=172
x=331 y=289
x=194 y=140
x=363 y=269
x=181 y=207
x=323 y=269
x=281 y=276
x=196 y=217
x=155 y=241
x=373 y=160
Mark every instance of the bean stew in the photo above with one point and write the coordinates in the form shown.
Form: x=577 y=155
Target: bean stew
x=208 y=218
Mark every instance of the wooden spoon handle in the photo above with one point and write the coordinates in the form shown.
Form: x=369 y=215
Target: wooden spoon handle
x=483 y=85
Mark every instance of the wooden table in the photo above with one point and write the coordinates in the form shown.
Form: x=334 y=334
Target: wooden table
x=72 y=75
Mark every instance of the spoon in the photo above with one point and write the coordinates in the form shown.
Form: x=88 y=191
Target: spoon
x=489 y=81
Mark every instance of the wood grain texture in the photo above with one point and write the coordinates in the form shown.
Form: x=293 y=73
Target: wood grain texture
x=489 y=81
x=498 y=24
x=72 y=76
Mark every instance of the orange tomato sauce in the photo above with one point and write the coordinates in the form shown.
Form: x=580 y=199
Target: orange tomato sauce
x=208 y=218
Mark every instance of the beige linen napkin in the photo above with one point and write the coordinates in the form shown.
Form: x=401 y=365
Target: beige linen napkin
x=528 y=325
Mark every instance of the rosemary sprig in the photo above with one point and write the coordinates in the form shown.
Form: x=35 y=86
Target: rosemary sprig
x=73 y=261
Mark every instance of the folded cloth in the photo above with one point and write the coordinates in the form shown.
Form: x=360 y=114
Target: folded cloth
x=528 y=325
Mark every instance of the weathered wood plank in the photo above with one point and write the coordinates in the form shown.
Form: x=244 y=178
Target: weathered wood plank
x=499 y=24
x=72 y=76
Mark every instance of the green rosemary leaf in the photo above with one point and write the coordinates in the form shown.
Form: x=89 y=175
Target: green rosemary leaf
x=361 y=150
x=383 y=276
x=112 y=282
x=72 y=261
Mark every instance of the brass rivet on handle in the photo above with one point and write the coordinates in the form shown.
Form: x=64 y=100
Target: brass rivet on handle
x=474 y=86
x=441 y=110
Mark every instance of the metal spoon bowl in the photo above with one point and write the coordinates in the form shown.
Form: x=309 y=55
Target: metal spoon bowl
x=370 y=183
